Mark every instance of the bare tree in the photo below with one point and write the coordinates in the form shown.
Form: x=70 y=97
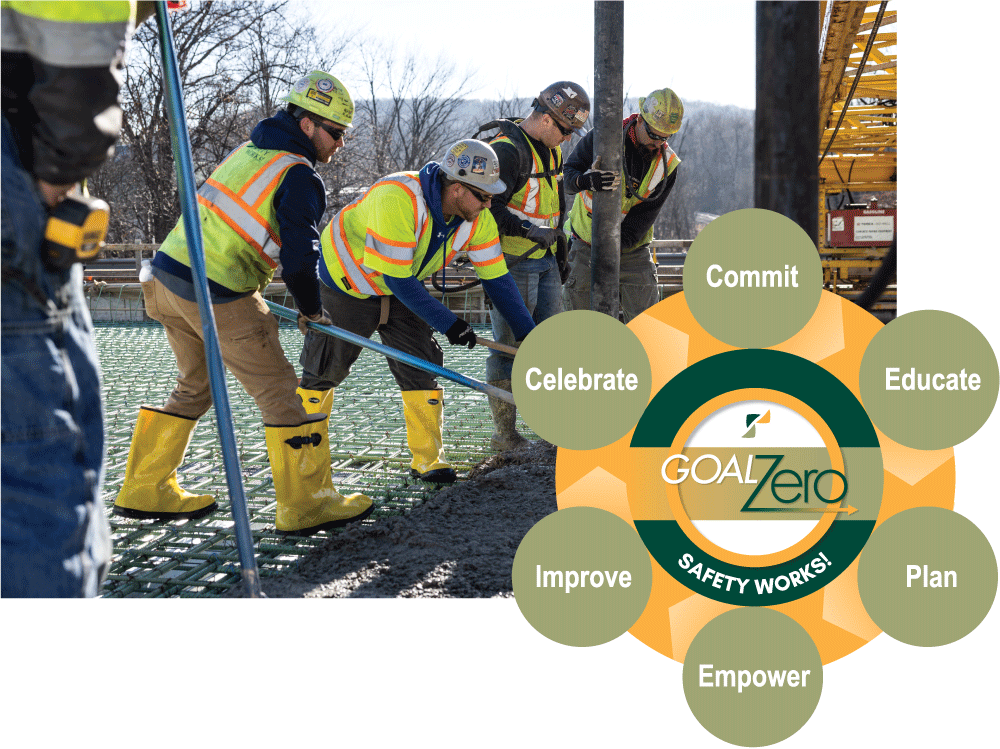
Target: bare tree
x=410 y=110
x=235 y=59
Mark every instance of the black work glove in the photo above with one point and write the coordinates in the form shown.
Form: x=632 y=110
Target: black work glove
x=544 y=235
x=562 y=245
x=461 y=334
x=598 y=181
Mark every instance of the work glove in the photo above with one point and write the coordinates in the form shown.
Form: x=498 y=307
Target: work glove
x=320 y=317
x=562 y=245
x=461 y=334
x=596 y=180
x=546 y=236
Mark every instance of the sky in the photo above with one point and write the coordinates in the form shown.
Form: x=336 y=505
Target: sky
x=703 y=50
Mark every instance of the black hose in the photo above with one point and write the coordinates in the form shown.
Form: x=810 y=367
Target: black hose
x=885 y=274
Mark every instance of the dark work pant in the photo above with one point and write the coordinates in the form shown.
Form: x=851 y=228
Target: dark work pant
x=326 y=361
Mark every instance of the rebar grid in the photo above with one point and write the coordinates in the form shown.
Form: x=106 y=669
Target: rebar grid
x=367 y=438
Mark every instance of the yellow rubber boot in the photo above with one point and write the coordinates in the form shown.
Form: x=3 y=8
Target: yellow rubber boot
x=150 y=490
x=424 y=412
x=303 y=486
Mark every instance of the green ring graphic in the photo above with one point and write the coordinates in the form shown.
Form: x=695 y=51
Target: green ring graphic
x=821 y=391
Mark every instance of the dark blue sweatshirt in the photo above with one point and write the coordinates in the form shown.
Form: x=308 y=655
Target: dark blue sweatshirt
x=411 y=292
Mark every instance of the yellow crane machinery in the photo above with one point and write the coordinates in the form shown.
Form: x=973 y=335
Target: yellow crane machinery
x=857 y=141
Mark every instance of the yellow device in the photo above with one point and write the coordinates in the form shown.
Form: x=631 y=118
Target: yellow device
x=75 y=231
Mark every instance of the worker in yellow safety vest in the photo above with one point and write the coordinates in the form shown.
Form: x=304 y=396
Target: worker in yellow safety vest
x=262 y=206
x=528 y=215
x=61 y=118
x=649 y=171
x=376 y=253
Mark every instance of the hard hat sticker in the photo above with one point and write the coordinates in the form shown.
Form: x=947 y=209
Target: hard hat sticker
x=324 y=84
x=315 y=95
x=479 y=165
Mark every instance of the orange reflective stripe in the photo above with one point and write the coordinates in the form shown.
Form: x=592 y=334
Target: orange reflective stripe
x=238 y=229
x=353 y=270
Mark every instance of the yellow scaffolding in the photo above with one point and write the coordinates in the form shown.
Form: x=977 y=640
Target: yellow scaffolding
x=858 y=119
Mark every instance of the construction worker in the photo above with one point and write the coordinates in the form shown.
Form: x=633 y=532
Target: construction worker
x=376 y=253
x=528 y=215
x=263 y=205
x=55 y=537
x=649 y=171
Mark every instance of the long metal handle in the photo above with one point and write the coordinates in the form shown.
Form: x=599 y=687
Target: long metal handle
x=213 y=356
x=414 y=361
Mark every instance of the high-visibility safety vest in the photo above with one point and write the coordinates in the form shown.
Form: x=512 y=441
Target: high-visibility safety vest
x=238 y=222
x=537 y=201
x=581 y=214
x=387 y=232
x=69 y=34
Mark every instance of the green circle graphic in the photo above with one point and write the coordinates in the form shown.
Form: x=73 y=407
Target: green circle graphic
x=834 y=403
x=752 y=677
x=929 y=380
x=928 y=576
x=752 y=278
x=581 y=380
x=581 y=576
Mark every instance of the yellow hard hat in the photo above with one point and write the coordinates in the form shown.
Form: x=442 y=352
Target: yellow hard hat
x=322 y=94
x=663 y=110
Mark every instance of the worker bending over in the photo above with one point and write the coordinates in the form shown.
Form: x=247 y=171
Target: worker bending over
x=529 y=215
x=649 y=171
x=262 y=206
x=376 y=253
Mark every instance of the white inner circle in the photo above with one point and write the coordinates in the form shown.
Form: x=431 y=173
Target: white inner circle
x=726 y=428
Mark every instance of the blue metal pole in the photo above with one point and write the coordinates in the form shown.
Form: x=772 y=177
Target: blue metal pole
x=196 y=251
x=414 y=361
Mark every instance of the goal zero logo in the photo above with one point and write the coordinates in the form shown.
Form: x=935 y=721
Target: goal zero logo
x=763 y=524
x=753 y=420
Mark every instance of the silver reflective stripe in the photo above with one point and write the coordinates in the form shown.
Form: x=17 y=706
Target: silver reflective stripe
x=64 y=44
x=392 y=252
x=478 y=257
x=412 y=185
x=253 y=191
x=657 y=177
x=347 y=261
x=530 y=201
x=462 y=235
x=533 y=219
x=245 y=220
x=240 y=211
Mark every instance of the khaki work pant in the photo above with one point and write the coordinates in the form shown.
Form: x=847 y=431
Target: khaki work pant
x=248 y=340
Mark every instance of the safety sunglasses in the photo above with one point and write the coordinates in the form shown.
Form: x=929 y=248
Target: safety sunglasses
x=652 y=135
x=483 y=197
x=565 y=131
x=334 y=132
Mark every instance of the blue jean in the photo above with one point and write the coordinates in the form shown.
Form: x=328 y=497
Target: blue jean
x=56 y=541
x=540 y=286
